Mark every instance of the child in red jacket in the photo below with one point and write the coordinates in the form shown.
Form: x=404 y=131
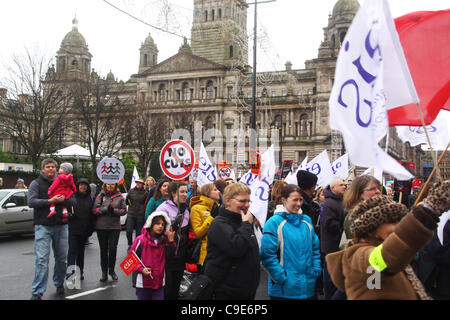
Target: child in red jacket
x=63 y=185
x=150 y=246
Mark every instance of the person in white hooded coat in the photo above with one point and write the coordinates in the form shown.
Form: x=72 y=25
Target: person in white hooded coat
x=156 y=240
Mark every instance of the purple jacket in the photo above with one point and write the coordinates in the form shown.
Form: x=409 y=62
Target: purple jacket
x=171 y=209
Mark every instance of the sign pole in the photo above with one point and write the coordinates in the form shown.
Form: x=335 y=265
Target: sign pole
x=426 y=185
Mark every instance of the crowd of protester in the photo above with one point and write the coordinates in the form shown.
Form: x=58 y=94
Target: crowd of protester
x=346 y=240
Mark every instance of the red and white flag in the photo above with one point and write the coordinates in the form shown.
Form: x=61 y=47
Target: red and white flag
x=130 y=263
x=425 y=38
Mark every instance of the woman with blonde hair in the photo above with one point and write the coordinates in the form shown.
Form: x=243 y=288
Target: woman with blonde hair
x=233 y=261
x=204 y=209
x=150 y=182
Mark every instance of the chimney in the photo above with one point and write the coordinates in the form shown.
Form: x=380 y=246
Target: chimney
x=288 y=66
x=3 y=93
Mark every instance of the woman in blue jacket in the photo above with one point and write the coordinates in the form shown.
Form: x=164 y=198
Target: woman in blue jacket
x=290 y=249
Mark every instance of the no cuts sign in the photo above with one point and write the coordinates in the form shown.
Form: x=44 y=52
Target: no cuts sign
x=224 y=172
x=177 y=159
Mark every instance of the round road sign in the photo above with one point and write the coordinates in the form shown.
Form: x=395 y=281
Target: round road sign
x=177 y=159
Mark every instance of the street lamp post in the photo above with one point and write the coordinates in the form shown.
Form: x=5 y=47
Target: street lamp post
x=253 y=143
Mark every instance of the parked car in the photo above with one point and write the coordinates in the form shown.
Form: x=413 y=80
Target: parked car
x=15 y=215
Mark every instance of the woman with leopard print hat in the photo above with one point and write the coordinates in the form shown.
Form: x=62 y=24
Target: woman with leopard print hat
x=386 y=237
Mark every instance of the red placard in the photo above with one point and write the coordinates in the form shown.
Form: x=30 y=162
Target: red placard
x=254 y=160
x=130 y=263
x=177 y=159
x=407 y=164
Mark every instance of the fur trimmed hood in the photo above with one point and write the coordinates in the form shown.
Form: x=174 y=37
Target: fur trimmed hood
x=150 y=218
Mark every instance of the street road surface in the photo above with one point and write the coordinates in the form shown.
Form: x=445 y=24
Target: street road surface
x=17 y=270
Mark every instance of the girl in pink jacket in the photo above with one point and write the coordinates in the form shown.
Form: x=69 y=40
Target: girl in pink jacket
x=62 y=185
x=150 y=246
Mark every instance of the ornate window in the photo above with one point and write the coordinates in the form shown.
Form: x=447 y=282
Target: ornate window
x=162 y=92
x=303 y=125
x=186 y=92
x=210 y=90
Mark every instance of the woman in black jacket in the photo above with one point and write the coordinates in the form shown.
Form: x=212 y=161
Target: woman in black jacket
x=81 y=225
x=232 y=260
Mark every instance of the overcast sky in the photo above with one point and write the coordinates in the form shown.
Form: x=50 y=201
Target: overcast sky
x=289 y=29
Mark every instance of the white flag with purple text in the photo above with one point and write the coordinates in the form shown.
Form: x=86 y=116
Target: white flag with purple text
x=321 y=167
x=437 y=131
x=371 y=76
x=260 y=186
x=340 y=167
x=206 y=172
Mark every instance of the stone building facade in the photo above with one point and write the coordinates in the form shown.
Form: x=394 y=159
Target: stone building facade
x=209 y=81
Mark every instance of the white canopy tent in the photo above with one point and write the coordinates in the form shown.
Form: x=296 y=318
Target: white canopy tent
x=74 y=151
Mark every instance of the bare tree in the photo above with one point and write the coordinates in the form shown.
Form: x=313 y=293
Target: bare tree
x=34 y=112
x=149 y=134
x=99 y=114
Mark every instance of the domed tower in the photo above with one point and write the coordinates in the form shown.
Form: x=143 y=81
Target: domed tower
x=338 y=23
x=219 y=31
x=73 y=57
x=110 y=77
x=149 y=54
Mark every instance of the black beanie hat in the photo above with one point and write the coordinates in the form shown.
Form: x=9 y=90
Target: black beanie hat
x=306 y=180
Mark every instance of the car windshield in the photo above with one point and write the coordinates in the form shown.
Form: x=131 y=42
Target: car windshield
x=3 y=194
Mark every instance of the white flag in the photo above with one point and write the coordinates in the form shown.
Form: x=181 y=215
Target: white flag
x=206 y=172
x=321 y=167
x=340 y=167
x=134 y=178
x=260 y=195
x=248 y=178
x=437 y=131
x=233 y=175
x=291 y=178
x=371 y=76
x=376 y=173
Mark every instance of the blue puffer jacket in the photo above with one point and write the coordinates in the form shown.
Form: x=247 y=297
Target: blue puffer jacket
x=290 y=251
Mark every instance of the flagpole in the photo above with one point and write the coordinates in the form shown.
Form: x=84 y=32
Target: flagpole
x=143 y=265
x=428 y=138
x=425 y=186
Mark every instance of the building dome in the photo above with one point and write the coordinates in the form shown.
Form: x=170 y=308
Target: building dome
x=74 y=38
x=110 y=77
x=149 y=41
x=345 y=7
